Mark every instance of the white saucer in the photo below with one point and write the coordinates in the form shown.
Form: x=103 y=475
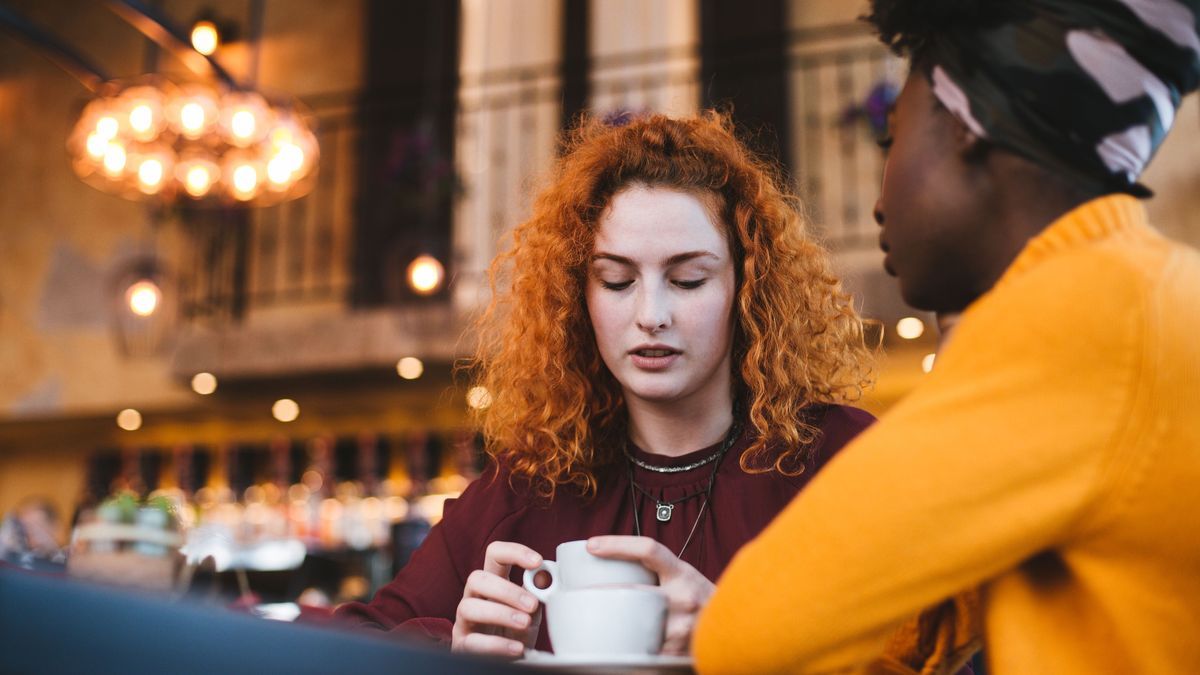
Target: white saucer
x=657 y=663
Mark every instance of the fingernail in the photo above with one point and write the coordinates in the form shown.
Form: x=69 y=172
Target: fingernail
x=520 y=619
x=514 y=648
x=529 y=602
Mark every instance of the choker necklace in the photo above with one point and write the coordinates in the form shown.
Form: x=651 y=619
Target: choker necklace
x=730 y=437
x=663 y=509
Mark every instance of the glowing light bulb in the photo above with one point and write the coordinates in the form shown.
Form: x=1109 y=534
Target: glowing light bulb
x=910 y=328
x=141 y=118
x=150 y=175
x=285 y=410
x=243 y=124
x=191 y=117
x=106 y=127
x=205 y=38
x=927 y=362
x=204 y=383
x=293 y=155
x=143 y=297
x=479 y=398
x=114 y=159
x=279 y=172
x=425 y=274
x=245 y=179
x=129 y=419
x=281 y=136
x=197 y=180
x=96 y=145
x=410 y=367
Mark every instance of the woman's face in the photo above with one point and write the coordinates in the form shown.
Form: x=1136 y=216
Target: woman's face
x=660 y=293
x=933 y=207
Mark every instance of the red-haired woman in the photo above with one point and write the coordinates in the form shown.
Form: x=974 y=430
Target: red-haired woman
x=669 y=357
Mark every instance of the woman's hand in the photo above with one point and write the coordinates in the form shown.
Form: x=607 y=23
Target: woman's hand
x=496 y=616
x=686 y=588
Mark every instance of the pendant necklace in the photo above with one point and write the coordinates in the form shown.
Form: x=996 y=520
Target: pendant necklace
x=664 y=509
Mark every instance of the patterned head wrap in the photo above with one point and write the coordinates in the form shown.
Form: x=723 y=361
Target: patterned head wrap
x=1085 y=88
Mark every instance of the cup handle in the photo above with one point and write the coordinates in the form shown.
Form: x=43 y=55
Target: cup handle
x=543 y=594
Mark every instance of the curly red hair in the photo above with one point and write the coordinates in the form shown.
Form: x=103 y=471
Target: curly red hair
x=557 y=414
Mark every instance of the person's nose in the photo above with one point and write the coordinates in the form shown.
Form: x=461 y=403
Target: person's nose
x=653 y=311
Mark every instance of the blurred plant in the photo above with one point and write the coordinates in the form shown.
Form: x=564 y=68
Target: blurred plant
x=619 y=117
x=416 y=172
x=124 y=507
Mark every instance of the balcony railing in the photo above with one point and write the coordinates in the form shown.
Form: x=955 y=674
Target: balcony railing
x=297 y=255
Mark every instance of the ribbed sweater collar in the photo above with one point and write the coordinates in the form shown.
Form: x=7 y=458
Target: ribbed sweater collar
x=1100 y=218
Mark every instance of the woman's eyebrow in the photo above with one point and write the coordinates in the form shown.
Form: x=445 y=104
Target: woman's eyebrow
x=669 y=262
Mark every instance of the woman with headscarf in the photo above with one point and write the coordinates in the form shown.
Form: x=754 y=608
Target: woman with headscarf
x=1050 y=460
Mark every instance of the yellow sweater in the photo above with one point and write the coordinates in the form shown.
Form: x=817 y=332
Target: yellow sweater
x=1052 y=460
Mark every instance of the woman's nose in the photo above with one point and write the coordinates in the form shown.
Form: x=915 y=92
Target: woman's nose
x=653 y=313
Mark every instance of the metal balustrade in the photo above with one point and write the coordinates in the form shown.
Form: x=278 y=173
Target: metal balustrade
x=299 y=254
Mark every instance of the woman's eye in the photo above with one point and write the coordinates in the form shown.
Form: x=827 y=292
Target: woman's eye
x=690 y=283
x=884 y=143
x=615 y=285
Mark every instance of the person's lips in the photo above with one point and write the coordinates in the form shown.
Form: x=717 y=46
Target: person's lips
x=887 y=261
x=653 y=357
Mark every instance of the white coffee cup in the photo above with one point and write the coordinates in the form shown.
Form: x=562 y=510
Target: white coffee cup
x=575 y=569
x=607 y=621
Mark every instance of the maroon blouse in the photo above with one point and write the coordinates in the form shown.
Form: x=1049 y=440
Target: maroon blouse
x=423 y=598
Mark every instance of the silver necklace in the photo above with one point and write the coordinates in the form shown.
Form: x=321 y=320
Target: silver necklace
x=637 y=527
x=669 y=507
x=730 y=437
x=673 y=469
x=664 y=509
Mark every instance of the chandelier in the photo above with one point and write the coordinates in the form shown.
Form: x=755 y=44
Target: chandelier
x=153 y=139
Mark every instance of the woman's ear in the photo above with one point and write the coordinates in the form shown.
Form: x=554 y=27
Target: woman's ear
x=970 y=146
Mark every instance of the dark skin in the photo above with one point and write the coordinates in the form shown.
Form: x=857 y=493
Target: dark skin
x=954 y=209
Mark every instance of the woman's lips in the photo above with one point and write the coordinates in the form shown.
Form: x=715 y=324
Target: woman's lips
x=887 y=261
x=653 y=359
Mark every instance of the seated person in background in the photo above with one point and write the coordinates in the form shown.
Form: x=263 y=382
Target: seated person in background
x=30 y=533
x=668 y=355
x=1051 y=458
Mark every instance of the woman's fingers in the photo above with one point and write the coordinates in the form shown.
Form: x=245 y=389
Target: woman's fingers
x=687 y=590
x=477 y=612
x=497 y=645
x=678 y=636
x=656 y=557
x=493 y=610
x=502 y=555
x=485 y=585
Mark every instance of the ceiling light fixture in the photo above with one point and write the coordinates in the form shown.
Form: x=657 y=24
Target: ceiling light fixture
x=152 y=139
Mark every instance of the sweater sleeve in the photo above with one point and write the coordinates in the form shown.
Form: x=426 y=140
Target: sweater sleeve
x=1004 y=450
x=422 y=600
